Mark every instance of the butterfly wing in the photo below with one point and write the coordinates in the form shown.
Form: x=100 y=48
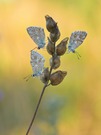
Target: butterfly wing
x=76 y=39
x=37 y=63
x=38 y=36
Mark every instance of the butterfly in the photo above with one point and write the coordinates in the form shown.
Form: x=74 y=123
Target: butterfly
x=37 y=63
x=38 y=35
x=76 y=39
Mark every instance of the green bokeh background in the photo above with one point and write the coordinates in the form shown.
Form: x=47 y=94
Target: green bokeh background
x=74 y=106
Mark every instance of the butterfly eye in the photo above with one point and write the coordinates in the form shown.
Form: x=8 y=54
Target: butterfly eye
x=38 y=47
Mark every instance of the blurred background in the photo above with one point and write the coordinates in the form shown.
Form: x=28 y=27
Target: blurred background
x=74 y=106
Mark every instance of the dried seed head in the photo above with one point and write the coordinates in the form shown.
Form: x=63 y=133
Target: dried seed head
x=55 y=62
x=62 y=47
x=55 y=36
x=57 y=77
x=44 y=77
x=50 y=24
x=50 y=47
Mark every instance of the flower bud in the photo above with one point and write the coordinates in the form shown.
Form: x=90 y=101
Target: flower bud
x=57 y=77
x=55 y=62
x=55 y=36
x=62 y=47
x=44 y=77
x=50 y=47
x=50 y=24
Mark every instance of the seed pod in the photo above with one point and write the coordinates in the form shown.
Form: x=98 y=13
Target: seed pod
x=55 y=36
x=57 y=77
x=55 y=62
x=62 y=47
x=50 y=47
x=44 y=77
x=50 y=24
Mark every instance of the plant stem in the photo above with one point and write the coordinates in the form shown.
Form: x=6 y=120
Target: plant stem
x=36 y=109
x=46 y=85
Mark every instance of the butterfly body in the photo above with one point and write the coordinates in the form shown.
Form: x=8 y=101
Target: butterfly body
x=76 y=39
x=38 y=36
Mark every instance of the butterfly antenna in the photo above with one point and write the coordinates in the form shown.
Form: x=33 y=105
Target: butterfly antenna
x=78 y=55
x=27 y=77
x=34 y=48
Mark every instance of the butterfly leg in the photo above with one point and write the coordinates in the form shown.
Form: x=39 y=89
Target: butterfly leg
x=27 y=77
x=78 y=55
x=33 y=48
